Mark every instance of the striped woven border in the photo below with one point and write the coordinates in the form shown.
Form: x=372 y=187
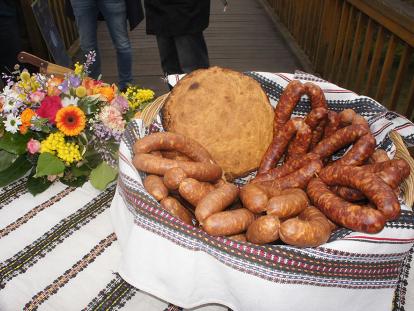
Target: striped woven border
x=277 y=263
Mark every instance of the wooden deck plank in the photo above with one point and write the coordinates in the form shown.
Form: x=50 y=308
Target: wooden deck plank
x=243 y=38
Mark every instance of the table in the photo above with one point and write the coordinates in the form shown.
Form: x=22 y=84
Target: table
x=58 y=251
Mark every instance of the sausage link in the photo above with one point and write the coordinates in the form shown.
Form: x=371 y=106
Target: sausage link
x=228 y=222
x=317 y=134
x=346 y=116
x=400 y=164
x=299 y=146
x=290 y=203
x=310 y=229
x=254 y=198
x=174 y=155
x=173 y=177
x=315 y=116
x=392 y=176
x=155 y=187
x=379 y=155
x=317 y=99
x=193 y=190
x=346 y=214
x=263 y=230
x=216 y=201
x=297 y=179
x=287 y=102
x=349 y=194
x=286 y=168
x=339 y=139
x=278 y=145
x=332 y=123
x=359 y=152
x=203 y=171
x=376 y=190
x=316 y=95
x=172 y=141
x=172 y=206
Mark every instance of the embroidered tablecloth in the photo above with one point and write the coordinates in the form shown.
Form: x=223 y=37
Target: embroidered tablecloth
x=58 y=251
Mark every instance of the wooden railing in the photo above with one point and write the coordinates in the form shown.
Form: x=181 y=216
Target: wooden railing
x=362 y=45
x=66 y=26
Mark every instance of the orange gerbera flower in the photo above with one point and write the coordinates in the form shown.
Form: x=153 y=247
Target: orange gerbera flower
x=70 y=120
x=26 y=118
x=107 y=92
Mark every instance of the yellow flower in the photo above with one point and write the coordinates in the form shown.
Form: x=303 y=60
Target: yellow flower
x=78 y=68
x=80 y=91
x=25 y=76
x=56 y=145
x=70 y=120
x=137 y=97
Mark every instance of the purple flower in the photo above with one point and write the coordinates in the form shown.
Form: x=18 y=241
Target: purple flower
x=74 y=81
x=120 y=103
x=64 y=86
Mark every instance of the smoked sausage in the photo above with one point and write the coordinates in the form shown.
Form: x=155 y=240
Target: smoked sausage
x=349 y=215
x=310 y=229
x=202 y=171
x=173 y=177
x=216 y=201
x=154 y=185
x=254 y=198
x=339 y=139
x=228 y=222
x=290 y=203
x=193 y=190
x=264 y=229
x=172 y=206
x=376 y=190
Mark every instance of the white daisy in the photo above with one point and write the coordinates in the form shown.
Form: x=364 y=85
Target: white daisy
x=9 y=104
x=67 y=101
x=12 y=123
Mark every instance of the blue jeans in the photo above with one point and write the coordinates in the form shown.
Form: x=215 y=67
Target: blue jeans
x=114 y=12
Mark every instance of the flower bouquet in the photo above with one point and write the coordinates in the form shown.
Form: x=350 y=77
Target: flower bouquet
x=65 y=129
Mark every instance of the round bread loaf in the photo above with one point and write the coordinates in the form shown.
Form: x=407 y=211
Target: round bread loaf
x=225 y=111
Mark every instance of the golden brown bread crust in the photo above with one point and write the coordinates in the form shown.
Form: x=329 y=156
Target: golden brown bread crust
x=226 y=112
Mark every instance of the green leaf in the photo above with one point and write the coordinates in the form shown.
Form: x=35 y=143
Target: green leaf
x=102 y=175
x=76 y=182
x=38 y=185
x=14 y=143
x=81 y=171
x=89 y=104
x=48 y=164
x=93 y=158
x=6 y=159
x=15 y=171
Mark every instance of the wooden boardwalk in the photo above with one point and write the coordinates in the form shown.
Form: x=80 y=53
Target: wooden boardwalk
x=243 y=38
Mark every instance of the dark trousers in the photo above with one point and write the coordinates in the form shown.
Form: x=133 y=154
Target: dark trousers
x=11 y=43
x=183 y=54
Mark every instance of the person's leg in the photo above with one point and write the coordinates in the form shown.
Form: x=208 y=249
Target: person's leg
x=192 y=52
x=86 y=12
x=168 y=55
x=9 y=33
x=114 y=12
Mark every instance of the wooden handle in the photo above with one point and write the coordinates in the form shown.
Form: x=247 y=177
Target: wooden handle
x=28 y=58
